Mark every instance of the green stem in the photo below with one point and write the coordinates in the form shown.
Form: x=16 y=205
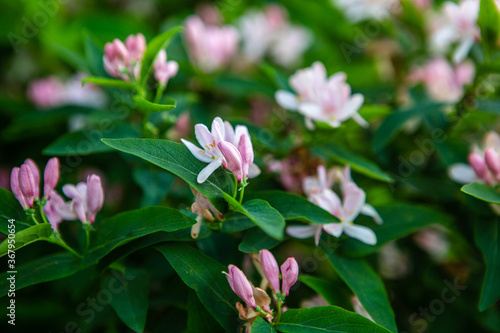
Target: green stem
x=59 y=241
x=159 y=92
x=242 y=191
x=87 y=239
x=278 y=317
x=34 y=219
x=235 y=186
x=44 y=218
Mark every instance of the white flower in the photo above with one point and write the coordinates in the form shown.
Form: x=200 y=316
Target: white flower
x=321 y=99
x=359 y=10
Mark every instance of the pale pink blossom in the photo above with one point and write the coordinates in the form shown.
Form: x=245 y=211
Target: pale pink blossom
x=444 y=82
x=323 y=99
x=87 y=198
x=210 y=48
x=47 y=93
x=163 y=69
x=359 y=10
x=124 y=61
x=240 y=285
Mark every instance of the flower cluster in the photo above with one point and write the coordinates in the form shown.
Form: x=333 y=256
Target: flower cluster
x=269 y=31
x=210 y=47
x=319 y=98
x=318 y=190
x=226 y=146
x=484 y=163
x=256 y=299
x=443 y=82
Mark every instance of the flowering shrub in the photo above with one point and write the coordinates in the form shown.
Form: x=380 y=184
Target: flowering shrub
x=190 y=152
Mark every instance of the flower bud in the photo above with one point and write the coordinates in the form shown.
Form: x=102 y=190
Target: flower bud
x=136 y=45
x=36 y=177
x=240 y=285
x=233 y=159
x=289 y=275
x=95 y=197
x=50 y=176
x=16 y=189
x=246 y=149
x=271 y=270
x=27 y=184
x=478 y=164
x=492 y=161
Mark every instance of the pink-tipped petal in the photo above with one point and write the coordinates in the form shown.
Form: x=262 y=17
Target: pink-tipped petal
x=492 y=161
x=50 y=176
x=233 y=159
x=271 y=269
x=479 y=165
x=240 y=285
x=289 y=275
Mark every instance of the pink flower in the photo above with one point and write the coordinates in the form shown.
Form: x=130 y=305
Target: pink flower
x=443 y=82
x=50 y=176
x=87 y=198
x=210 y=48
x=57 y=210
x=270 y=268
x=321 y=99
x=163 y=69
x=289 y=275
x=47 y=93
x=240 y=285
x=232 y=159
x=124 y=61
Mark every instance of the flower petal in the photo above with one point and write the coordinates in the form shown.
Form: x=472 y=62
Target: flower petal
x=462 y=173
x=362 y=233
x=253 y=171
x=302 y=231
x=208 y=170
x=199 y=153
x=354 y=199
x=368 y=210
x=286 y=100
x=203 y=135
x=334 y=229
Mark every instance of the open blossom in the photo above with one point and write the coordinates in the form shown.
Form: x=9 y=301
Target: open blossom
x=46 y=93
x=269 y=31
x=484 y=163
x=225 y=146
x=57 y=210
x=319 y=98
x=25 y=181
x=359 y=10
x=87 y=198
x=210 y=47
x=352 y=204
x=457 y=25
x=163 y=69
x=443 y=82
x=124 y=61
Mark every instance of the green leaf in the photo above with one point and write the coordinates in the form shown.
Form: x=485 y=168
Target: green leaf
x=110 y=83
x=74 y=59
x=155 y=184
x=154 y=46
x=10 y=208
x=235 y=222
x=127 y=226
x=489 y=23
x=277 y=77
x=322 y=319
x=148 y=107
x=86 y=142
x=294 y=208
x=204 y=275
x=256 y=240
x=94 y=55
x=260 y=325
x=330 y=291
x=199 y=319
x=391 y=126
x=482 y=192
x=357 y=162
x=367 y=285
x=27 y=236
x=487 y=236
x=131 y=303
x=176 y=158
x=262 y=214
x=399 y=220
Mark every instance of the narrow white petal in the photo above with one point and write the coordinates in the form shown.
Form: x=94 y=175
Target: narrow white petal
x=203 y=135
x=199 y=153
x=208 y=170
x=302 y=232
x=462 y=173
x=463 y=50
x=286 y=100
x=253 y=171
x=334 y=229
x=368 y=210
x=362 y=233
x=351 y=107
x=312 y=110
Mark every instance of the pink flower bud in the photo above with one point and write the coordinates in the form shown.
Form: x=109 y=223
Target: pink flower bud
x=240 y=285
x=95 y=197
x=492 y=161
x=51 y=211
x=27 y=184
x=50 y=176
x=478 y=164
x=246 y=149
x=163 y=69
x=233 y=159
x=136 y=46
x=271 y=270
x=289 y=275
x=120 y=51
x=16 y=189
x=36 y=176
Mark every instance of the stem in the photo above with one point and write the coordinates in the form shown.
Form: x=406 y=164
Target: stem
x=235 y=186
x=44 y=218
x=59 y=241
x=159 y=92
x=242 y=191
x=278 y=317
x=34 y=219
x=87 y=239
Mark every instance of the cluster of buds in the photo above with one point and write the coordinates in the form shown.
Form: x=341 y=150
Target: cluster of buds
x=258 y=302
x=124 y=61
x=204 y=209
x=443 y=82
x=323 y=99
x=346 y=210
x=25 y=182
x=484 y=163
x=226 y=146
x=210 y=47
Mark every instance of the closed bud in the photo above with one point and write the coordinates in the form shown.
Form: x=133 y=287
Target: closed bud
x=95 y=197
x=271 y=269
x=492 y=161
x=50 y=176
x=27 y=184
x=477 y=163
x=15 y=187
x=240 y=285
x=289 y=275
x=233 y=159
x=36 y=176
x=246 y=149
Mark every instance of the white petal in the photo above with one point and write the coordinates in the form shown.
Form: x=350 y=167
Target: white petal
x=203 y=135
x=253 y=171
x=329 y=201
x=334 y=229
x=71 y=191
x=368 y=210
x=229 y=133
x=351 y=107
x=462 y=50
x=362 y=233
x=208 y=170
x=302 y=232
x=360 y=121
x=462 y=173
x=218 y=130
x=312 y=110
x=354 y=199
x=286 y=100
x=199 y=153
